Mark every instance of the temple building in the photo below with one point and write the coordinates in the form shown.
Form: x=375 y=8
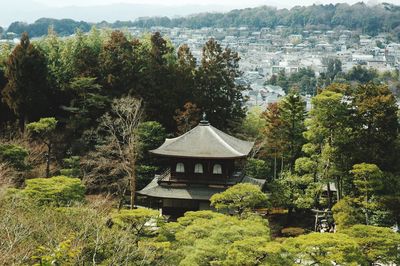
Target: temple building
x=199 y=163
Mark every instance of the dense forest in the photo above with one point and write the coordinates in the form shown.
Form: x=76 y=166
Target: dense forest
x=359 y=17
x=70 y=85
x=78 y=116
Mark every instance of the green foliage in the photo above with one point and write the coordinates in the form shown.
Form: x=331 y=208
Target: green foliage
x=361 y=74
x=328 y=134
x=15 y=155
x=64 y=27
x=85 y=234
x=43 y=127
x=293 y=191
x=367 y=179
x=142 y=222
x=64 y=253
x=305 y=165
x=79 y=235
x=367 y=19
x=304 y=80
x=44 y=130
x=323 y=249
x=86 y=106
x=356 y=210
x=257 y=169
x=72 y=167
x=145 y=173
x=326 y=116
x=349 y=124
x=159 y=70
x=133 y=218
x=27 y=91
x=239 y=198
x=151 y=135
x=292 y=114
x=116 y=64
x=58 y=191
x=271 y=146
x=253 y=123
x=217 y=93
x=346 y=213
x=377 y=244
x=249 y=251
x=204 y=238
x=283 y=134
x=292 y=231
x=333 y=69
x=375 y=126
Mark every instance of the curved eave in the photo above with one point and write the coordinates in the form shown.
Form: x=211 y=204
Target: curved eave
x=160 y=196
x=197 y=156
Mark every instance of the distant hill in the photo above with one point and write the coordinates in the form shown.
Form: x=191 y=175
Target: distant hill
x=367 y=19
x=40 y=27
x=29 y=11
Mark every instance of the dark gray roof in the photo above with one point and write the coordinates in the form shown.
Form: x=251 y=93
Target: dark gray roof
x=153 y=189
x=254 y=181
x=195 y=193
x=205 y=141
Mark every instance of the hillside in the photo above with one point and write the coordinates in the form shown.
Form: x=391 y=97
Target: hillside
x=367 y=19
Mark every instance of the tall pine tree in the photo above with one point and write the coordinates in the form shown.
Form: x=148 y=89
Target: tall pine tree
x=376 y=126
x=293 y=113
x=26 y=92
x=217 y=93
x=117 y=64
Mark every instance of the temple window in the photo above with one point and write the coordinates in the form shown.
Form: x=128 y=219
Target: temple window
x=180 y=168
x=217 y=169
x=198 y=168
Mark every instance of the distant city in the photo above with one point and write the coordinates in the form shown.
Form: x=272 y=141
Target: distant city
x=268 y=52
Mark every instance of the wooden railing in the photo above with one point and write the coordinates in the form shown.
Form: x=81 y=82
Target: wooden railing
x=166 y=175
x=166 y=178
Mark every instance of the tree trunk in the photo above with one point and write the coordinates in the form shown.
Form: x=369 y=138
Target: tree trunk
x=22 y=121
x=122 y=197
x=338 y=188
x=289 y=216
x=328 y=186
x=366 y=209
x=48 y=156
x=133 y=186
x=292 y=146
x=275 y=162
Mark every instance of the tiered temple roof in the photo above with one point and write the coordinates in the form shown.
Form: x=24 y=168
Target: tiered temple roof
x=205 y=141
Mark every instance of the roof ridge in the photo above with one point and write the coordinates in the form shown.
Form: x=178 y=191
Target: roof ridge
x=178 y=137
x=223 y=141
x=220 y=132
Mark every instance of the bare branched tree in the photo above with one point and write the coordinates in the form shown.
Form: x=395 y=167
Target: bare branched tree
x=118 y=155
x=6 y=174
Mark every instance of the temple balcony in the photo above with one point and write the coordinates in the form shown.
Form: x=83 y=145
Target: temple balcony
x=166 y=179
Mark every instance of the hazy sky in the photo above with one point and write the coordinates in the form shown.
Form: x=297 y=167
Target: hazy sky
x=98 y=10
x=241 y=3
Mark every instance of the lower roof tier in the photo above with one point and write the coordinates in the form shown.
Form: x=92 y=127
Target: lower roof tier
x=189 y=192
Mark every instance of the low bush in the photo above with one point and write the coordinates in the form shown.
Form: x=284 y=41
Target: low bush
x=292 y=231
x=57 y=191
